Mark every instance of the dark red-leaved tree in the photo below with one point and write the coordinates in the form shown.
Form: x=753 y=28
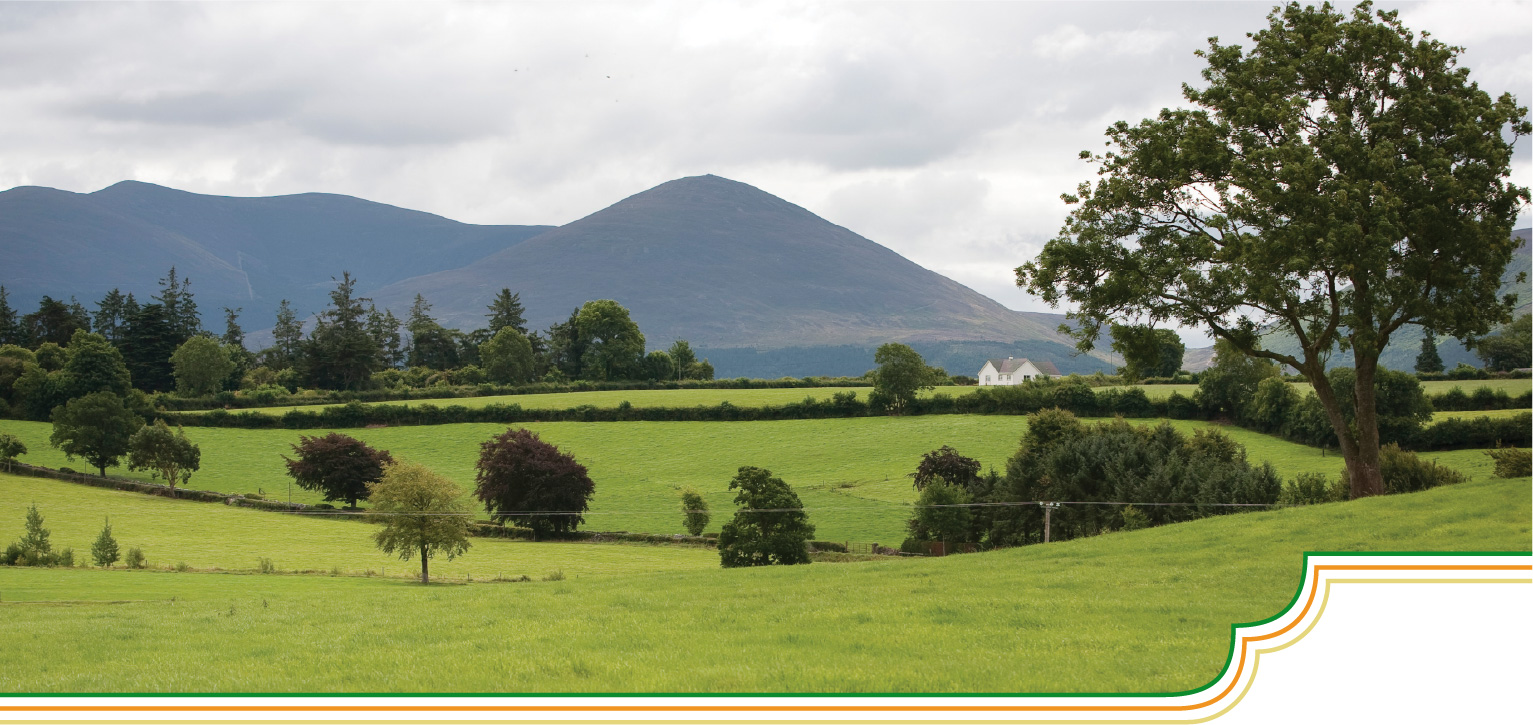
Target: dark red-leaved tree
x=945 y=463
x=337 y=465
x=521 y=476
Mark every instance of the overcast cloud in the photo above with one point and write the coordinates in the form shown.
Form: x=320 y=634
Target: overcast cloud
x=944 y=131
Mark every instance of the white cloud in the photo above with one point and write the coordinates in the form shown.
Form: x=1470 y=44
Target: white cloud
x=945 y=131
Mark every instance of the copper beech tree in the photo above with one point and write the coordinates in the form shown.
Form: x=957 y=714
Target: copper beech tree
x=338 y=466
x=531 y=483
x=1338 y=178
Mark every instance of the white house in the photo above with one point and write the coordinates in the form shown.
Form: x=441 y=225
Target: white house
x=1015 y=371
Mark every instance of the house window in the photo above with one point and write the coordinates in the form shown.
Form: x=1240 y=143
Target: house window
x=1026 y=378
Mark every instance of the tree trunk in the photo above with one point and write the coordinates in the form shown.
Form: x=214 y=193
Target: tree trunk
x=425 y=579
x=1367 y=476
x=1347 y=442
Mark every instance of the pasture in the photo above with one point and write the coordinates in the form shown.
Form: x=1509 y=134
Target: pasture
x=850 y=472
x=1144 y=611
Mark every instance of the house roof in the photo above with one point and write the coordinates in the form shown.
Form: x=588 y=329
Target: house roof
x=1012 y=364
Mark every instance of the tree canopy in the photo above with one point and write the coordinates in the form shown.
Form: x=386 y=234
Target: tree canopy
x=96 y=427
x=338 y=466
x=770 y=527
x=901 y=374
x=1147 y=352
x=420 y=513
x=529 y=482
x=1339 y=179
x=168 y=454
x=613 y=345
x=201 y=366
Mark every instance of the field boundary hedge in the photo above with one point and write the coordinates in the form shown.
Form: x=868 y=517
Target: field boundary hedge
x=1077 y=398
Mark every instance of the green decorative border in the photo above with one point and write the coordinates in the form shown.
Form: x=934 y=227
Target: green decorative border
x=1234 y=640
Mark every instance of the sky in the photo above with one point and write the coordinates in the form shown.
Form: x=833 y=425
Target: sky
x=944 y=131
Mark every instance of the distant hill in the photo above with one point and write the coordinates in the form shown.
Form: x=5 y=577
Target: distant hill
x=1401 y=352
x=732 y=268
x=238 y=251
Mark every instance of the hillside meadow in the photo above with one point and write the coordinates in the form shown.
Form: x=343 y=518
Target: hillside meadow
x=1144 y=611
x=851 y=473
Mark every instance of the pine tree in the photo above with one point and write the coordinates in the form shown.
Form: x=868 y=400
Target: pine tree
x=104 y=551
x=35 y=541
x=10 y=327
x=180 y=309
x=342 y=353
x=384 y=329
x=1429 y=361
x=507 y=311
x=287 y=337
x=111 y=317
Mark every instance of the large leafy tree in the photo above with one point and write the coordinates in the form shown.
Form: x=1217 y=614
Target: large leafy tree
x=614 y=347
x=96 y=427
x=167 y=453
x=420 y=513
x=770 y=527
x=531 y=483
x=202 y=365
x=1509 y=348
x=1147 y=351
x=336 y=465
x=92 y=365
x=901 y=374
x=507 y=357
x=1339 y=179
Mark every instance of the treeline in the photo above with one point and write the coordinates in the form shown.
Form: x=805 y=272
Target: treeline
x=162 y=346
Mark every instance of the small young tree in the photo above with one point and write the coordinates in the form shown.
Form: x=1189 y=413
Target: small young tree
x=900 y=375
x=201 y=366
x=337 y=465
x=166 y=453
x=420 y=513
x=771 y=526
x=532 y=483
x=682 y=357
x=694 y=512
x=946 y=464
x=11 y=447
x=34 y=548
x=96 y=427
x=104 y=551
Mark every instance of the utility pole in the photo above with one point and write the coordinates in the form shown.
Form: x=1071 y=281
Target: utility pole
x=1048 y=508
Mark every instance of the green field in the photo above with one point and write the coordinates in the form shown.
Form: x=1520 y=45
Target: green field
x=745 y=398
x=207 y=536
x=1445 y=414
x=1147 y=611
x=850 y=472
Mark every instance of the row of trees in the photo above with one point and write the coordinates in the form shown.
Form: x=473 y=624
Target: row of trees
x=165 y=347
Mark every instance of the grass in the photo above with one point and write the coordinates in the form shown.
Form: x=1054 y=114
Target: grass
x=208 y=536
x=1445 y=414
x=850 y=472
x=1147 y=611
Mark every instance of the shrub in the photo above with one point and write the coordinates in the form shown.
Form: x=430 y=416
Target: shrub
x=265 y=566
x=913 y=545
x=1313 y=488
x=694 y=512
x=183 y=567
x=1403 y=472
x=1512 y=462
x=1134 y=519
x=835 y=546
x=556 y=575
x=135 y=559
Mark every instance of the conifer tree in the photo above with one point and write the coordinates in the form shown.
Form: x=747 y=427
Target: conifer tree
x=104 y=551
